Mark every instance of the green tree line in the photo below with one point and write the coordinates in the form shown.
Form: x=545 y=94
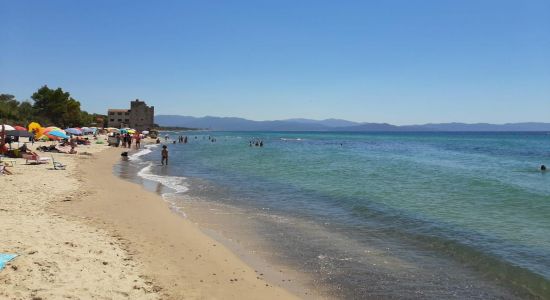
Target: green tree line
x=49 y=107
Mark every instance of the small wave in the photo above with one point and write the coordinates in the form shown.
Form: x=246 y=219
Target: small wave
x=291 y=140
x=146 y=150
x=175 y=183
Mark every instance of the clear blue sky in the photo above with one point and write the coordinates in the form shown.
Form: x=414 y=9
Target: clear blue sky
x=400 y=62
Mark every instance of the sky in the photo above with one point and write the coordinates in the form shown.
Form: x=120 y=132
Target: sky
x=400 y=62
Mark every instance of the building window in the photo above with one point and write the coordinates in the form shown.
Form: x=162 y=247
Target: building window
x=126 y=113
x=119 y=113
x=112 y=120
x=111 y=113
x=126 y=120
x=120 y=120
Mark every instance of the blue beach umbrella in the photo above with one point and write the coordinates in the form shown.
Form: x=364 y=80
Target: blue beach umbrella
x=73 y=131
x=58 y=134
x=87 y=130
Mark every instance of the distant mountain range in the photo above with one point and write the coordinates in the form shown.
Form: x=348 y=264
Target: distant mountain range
x=240 y=124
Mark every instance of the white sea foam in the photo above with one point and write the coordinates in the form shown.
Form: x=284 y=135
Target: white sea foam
x=145 y=150
x=175 y=183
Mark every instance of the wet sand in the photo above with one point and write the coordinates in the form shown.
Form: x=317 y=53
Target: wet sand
x=180 y=260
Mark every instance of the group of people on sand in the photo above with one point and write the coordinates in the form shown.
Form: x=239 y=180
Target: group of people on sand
x=126 y=140
x=63 y=146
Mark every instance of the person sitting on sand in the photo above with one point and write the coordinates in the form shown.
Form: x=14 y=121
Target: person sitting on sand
x=24 y=148
x=72 y=141
x=164 y=155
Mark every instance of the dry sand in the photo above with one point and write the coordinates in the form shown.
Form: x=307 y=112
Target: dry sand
x=84 y=233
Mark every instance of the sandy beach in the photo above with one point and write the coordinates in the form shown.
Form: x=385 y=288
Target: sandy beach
x=83 y=233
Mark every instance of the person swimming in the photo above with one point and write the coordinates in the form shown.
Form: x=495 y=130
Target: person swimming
x=543 y=168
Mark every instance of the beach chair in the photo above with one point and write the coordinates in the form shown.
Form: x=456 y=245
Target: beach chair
x=35 y=159
x=3 y=160
x=57 y=165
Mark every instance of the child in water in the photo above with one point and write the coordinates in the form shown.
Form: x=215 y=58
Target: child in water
x=164 y=155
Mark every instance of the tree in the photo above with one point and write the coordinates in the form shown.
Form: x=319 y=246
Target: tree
x=57 y=107
x=8 y=107
x=26 y=112
x=73 y=115
x=51 y=107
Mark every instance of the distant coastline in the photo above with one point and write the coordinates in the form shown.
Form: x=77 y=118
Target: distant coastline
x=177 y=128
x=175 y=122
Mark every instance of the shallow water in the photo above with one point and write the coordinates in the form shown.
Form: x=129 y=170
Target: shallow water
x=381 y=215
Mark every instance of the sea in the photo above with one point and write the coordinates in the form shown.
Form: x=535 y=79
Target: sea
x=399 y=215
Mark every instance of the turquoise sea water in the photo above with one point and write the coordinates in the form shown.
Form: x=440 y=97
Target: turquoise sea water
x=467 y=212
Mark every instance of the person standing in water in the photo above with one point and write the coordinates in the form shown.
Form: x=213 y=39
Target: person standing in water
x=164 y=155
x=138 y=141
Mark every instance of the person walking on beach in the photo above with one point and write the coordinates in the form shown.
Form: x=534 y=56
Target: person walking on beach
x=164 y=155
x=129 y=139
x=138 y=141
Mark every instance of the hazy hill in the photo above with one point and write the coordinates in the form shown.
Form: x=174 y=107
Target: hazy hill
x=240 y=124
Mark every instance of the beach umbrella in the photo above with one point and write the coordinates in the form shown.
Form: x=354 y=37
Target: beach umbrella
x=74 y=131
x=57 y=134
x=87 y=130
x=46 y=131
x=19 y=133
x=7 y=127
x=20 y=128
x=131 y=131
x=53 y=128
x=34 y=126
x=145 y=132
x=38 y=132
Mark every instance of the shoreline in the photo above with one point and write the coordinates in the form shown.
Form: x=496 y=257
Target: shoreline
x=213 y=206
x=131 y=242
x=152 y=233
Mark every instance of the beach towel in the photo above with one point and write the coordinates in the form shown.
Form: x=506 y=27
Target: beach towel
x=4 y=258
